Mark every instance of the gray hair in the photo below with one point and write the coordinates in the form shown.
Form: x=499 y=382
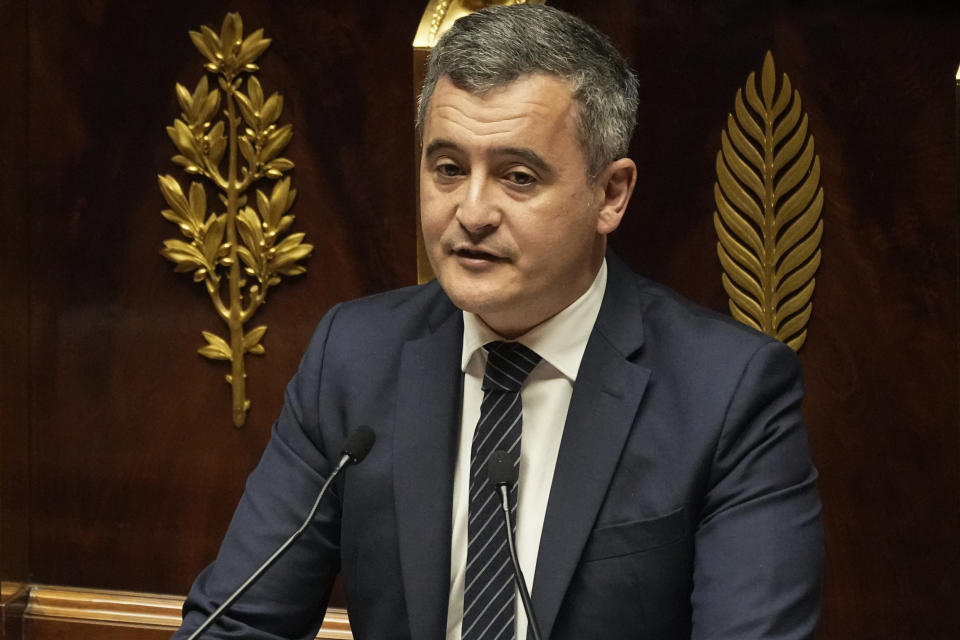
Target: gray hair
x=493 y=47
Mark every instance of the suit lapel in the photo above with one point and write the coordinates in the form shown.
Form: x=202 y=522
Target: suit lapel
x=425 y=442
x=602 y=411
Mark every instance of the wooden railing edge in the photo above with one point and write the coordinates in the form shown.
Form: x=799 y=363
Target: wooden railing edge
x=127 y=608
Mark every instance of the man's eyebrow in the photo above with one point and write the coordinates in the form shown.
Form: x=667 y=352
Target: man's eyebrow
x=529 y=156
x=440 y=144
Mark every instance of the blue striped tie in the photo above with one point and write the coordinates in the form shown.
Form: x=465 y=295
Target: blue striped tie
x=488 y=594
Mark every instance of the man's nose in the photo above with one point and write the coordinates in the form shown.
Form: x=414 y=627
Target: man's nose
x=478 y=211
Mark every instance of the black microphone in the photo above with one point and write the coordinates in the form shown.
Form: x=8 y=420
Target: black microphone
x=503 y=473
x=358 y=445
x=355 y=449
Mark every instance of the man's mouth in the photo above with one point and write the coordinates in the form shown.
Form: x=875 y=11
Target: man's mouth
x=475 y=254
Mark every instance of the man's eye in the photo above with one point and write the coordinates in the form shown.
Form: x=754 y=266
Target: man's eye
x=521 y=178
x=448 y=170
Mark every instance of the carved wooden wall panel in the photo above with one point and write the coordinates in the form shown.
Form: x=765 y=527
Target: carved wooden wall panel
x=132 y=474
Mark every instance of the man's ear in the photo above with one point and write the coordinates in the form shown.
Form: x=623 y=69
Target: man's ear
x=615 y=184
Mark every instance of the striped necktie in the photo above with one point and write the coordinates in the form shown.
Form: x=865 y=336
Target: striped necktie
x=488 y=595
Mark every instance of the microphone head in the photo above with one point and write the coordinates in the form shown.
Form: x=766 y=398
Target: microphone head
x=500 y=468
x=358 y=444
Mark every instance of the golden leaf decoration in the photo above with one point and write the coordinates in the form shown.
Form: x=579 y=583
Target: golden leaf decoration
x=769 y=202
x=238 y=254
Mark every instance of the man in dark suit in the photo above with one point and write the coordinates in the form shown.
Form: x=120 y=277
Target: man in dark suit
x=665 y=485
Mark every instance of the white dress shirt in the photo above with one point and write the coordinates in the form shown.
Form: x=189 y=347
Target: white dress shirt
x=560 y=341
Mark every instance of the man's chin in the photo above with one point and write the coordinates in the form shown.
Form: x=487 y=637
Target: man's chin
x=469 y=297
x=473 y=303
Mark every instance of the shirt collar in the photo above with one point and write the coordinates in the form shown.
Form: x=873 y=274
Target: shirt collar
x=560 y=340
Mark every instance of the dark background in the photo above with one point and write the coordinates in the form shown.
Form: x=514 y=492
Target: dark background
x=120 y=465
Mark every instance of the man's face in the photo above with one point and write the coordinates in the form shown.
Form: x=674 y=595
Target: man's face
x=510 y=220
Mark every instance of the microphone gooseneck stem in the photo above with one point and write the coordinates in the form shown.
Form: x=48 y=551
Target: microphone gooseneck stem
x=517 y=572
x=344 y=461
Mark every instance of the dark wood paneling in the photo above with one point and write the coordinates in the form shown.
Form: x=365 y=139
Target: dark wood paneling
x=14 y=297
x=68 y=630
x=877 y=82
x=137 y=465
x=13 y=602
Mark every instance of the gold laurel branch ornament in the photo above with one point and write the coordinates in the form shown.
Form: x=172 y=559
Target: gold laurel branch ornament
x=240 y=253
x=769 y=201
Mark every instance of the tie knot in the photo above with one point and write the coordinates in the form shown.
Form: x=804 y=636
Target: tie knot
x=508 y=365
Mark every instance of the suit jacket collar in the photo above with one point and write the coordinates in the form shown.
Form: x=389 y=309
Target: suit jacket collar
x=425 y=444
x=602 y=411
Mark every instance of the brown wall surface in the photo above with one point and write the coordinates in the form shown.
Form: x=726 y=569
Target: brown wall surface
x=14 y=383
x=133 y=463
x=877 y=82
x=120 y=465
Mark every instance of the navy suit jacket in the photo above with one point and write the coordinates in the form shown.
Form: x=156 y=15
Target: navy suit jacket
x=683 y=503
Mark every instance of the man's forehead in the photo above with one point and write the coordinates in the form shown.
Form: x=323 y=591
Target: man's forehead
x=485 y=88
x=532 y=119
x=529 y=101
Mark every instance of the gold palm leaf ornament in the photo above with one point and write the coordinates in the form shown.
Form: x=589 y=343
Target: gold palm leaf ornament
x=769 y=202
x=240 y=253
